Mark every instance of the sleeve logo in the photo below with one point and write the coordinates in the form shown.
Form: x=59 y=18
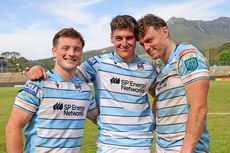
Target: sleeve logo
x=191 y=63
x=31 y=88
x=92 y=61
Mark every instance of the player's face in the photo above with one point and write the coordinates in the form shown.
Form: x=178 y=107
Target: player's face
x=68 y=53
x=154 y=42
x=124 y=43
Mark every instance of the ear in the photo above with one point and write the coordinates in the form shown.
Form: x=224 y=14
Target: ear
x=54 y=51
x=111 y=38
x=165 y=32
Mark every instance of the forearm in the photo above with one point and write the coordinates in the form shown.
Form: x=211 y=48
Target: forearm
x=154 y=109
x=14 y=140
x=92 y=115
x=194 y=128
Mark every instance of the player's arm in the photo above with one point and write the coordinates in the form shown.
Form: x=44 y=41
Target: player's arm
x=152 y=93
x=92 y=115
x=196 y=94
x=36 y=72
x=154 y=109
x=14 y=138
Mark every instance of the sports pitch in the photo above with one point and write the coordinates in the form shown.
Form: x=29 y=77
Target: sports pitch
x=218 y=118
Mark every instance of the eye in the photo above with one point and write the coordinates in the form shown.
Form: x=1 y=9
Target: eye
x=129 y=38
x=149 y=40
x=65 y=48
x=118 y=38
x=77 y=49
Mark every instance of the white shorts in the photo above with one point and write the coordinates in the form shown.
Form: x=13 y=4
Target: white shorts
x=123 y=150
x=159 y=149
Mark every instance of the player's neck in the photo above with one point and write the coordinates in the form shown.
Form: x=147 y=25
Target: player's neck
x=168 y=52
x=67 y=75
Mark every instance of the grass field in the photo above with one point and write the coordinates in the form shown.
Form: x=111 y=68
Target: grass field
x=218 y=118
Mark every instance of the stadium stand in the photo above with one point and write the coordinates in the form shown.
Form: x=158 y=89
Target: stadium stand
x=12 y=78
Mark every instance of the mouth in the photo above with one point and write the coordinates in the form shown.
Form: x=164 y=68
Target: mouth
x=151 y=52
x=125 y=47
x=70 y=60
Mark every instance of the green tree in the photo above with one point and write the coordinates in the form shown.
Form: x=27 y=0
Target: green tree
x=22 y=61
x=6 y=54
x=48 y=64
x=224 y=56
x=14 y=55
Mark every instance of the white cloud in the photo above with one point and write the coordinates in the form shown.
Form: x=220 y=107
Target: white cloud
x=72 y=12
x=94 y=29
x=34 y=38
x=98 y=34
x=31 y=43
x=192 y=10
x=7 y=19
x=35 y=42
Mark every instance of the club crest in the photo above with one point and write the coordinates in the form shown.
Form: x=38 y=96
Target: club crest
x=78 y=86
x=191 y=63
x=140 y=66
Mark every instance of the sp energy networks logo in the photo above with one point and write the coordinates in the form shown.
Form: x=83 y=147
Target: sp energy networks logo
x=128 y=85
x=69 y=109
x=115 y=80
x=58 y=106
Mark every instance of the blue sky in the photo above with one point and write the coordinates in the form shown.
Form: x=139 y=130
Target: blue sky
x=28 y=26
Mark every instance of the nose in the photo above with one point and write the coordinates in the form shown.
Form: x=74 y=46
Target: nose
x=124 y=42
x=71 y=52
x=146 y=47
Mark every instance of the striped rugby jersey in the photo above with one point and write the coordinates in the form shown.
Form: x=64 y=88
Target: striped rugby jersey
x=125 y=119
x=59 y=110
x=185 y=65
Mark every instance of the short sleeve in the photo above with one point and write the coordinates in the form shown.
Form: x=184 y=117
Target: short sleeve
x=87 y=71
x=192 y=67
x=28 y=97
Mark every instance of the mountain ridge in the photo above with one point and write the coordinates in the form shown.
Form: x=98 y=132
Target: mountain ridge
x=202 y=34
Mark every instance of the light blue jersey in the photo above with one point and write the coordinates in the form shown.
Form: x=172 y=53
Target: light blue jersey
x=185 y=65
x=59 y=110
x=126 y=119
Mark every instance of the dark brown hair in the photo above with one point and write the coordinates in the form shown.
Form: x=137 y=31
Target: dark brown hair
x=124 y=22
x=150 y=20
x=68 y=32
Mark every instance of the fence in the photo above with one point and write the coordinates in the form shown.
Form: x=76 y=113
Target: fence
x=216 y=70
x=5 y=70
x=219 y=63
x=10 y=76
x=13 y=77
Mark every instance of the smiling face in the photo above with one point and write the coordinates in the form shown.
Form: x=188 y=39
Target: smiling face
x=124 y=43
x=67 y=52
x=155 y=42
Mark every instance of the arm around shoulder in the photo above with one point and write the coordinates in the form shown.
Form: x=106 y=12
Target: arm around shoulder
x=36 y=72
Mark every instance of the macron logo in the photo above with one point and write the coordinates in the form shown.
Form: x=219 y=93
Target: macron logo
x=58 y=106
x=115 y=80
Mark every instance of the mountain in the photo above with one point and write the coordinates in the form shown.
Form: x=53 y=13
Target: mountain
x=202 y=34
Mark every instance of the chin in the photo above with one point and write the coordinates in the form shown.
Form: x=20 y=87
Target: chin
x=71 y=67
x=154 y=57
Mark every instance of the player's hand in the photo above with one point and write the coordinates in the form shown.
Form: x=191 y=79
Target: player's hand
x=36 y=72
